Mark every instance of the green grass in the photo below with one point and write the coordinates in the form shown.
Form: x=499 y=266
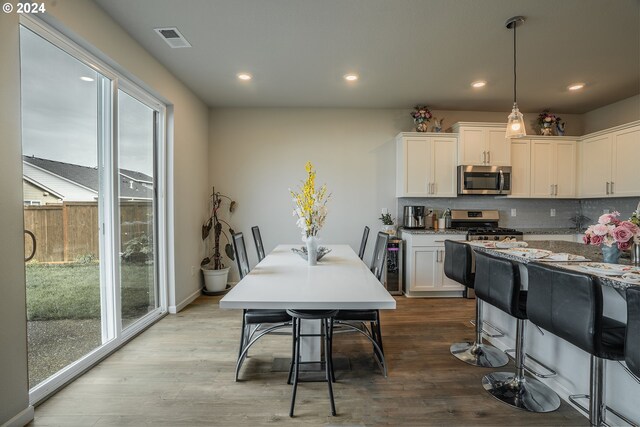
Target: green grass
x=72 y=291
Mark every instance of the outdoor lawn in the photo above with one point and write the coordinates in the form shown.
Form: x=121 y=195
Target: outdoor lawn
x=63 y=311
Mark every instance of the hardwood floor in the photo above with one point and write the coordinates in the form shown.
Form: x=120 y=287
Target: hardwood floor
x=180 y=373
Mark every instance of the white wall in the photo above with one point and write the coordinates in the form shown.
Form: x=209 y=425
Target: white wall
x=618 y=113
x=14 y=387
x=256 y=155
x=90 y=23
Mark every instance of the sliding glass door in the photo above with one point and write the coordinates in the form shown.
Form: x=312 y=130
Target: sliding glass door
x=92 y=166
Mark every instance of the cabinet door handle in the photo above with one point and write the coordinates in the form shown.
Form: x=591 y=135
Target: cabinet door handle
x=612 y=192
x=556 y=189
x=482 y=158
x=551 y=190
x=488 y=157
x=607 y=187
x=435 y=188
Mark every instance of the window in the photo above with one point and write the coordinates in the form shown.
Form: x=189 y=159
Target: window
x=94 y=140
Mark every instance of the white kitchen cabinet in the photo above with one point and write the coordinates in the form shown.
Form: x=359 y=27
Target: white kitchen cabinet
x=425 y=165
x=424 y=266
x=482 y=144
x=607 y=163
x=553 y=167
x=520 y=167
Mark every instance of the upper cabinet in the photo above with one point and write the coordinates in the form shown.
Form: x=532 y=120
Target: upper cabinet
x=553 y=167
x=425 y=165
x=482 y=144
x=520 y=167
x=607 y=165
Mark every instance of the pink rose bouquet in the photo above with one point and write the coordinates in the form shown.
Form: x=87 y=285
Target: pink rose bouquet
x=610 y=230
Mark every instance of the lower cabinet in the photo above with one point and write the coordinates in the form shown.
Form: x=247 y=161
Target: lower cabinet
x=424 y=266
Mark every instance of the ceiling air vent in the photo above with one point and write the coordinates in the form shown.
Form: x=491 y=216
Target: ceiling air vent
x=173 y=37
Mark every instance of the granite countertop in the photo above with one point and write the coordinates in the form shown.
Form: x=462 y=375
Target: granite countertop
x=432 y=231
x=549 y=230
x=592 y=253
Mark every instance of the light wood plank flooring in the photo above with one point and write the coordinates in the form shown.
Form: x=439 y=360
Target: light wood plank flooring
x=180 y=373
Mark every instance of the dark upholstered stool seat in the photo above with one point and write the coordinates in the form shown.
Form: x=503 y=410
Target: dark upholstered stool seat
x=458 y=266
x=632 y=341
x=326 y=324
x=569 y=305
x=266 y=316
x=358 y=315
x=498 y=283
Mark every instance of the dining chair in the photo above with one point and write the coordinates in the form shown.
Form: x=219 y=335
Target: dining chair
x=256 y=323
x=257 y=239
x=363 y=242
x=356 y=320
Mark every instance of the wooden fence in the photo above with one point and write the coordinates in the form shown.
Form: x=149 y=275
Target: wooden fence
x=70 y=230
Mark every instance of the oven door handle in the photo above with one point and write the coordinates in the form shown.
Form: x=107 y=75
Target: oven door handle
x=501 y=181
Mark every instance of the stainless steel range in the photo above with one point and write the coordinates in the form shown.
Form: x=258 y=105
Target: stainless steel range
x=482 y=225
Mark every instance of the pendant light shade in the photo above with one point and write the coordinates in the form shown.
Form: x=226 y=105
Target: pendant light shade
x=515 y=121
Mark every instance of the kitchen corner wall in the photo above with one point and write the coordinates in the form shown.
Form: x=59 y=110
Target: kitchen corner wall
x=257 y=154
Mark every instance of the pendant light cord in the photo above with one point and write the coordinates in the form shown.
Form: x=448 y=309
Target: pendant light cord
x=515 y=25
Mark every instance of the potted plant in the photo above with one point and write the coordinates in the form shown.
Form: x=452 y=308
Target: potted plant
x=388 y=225
x=214 y=271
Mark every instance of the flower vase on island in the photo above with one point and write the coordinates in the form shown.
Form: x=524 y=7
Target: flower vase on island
x=613 y=236
x=311 y=211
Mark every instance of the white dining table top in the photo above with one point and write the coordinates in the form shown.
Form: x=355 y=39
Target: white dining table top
x=283 y=280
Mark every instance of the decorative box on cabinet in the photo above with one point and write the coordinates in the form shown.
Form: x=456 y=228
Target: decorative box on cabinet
x=482 y=144
x=424 y=266
x=425 y=165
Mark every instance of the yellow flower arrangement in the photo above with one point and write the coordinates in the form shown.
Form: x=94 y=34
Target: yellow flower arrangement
x=311 y=205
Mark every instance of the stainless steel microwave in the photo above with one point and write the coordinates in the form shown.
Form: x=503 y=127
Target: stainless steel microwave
x=484 y=180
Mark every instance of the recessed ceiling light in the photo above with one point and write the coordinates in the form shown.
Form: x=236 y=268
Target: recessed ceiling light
x=575 y=86
x=86 y=79
x=245 y=76
x=351 y=77
x=479 y=83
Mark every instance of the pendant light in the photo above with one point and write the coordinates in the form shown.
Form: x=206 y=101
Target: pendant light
x=515 y=121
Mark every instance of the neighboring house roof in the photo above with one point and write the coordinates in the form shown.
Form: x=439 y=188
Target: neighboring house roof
x=84 y=179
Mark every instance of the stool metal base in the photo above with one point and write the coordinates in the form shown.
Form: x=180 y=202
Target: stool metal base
x=528 y=394
x=481 y=355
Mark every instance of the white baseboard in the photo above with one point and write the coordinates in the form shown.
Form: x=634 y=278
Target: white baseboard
x=21 y=419
x=173 y=309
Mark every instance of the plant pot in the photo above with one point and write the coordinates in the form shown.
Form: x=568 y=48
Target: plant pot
x=215 y=280
x=389 y=229
x=610 y=254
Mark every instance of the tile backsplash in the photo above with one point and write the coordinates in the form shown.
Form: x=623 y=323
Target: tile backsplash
x=530 y=213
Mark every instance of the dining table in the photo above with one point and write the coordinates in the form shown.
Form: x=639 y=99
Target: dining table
x=284 y=280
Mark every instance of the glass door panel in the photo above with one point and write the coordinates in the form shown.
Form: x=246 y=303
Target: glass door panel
x=136 y=153
x=61 y=187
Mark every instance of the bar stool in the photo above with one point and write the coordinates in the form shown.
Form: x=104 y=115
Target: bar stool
x=498 y=283
x=458 y=265
x=569 y=305
x=326 y=330
x=632 y=336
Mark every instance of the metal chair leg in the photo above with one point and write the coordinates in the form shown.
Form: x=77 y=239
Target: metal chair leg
x=328 y=364
x=296 y=369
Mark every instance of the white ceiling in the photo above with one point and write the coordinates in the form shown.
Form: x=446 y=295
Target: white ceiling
x=405 y=51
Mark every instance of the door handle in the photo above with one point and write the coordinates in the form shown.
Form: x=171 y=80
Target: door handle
x=33 y=246
x=488 y=157
x=551 y=189
x=608 y=187
x=612 y=192
x=434 y=188
x=556 y=186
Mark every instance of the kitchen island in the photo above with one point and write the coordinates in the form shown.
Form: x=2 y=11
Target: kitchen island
x=571 y=363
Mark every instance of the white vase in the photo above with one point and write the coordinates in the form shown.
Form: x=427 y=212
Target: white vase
x=389 y=229
x=215 y=280
x=312 y=250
